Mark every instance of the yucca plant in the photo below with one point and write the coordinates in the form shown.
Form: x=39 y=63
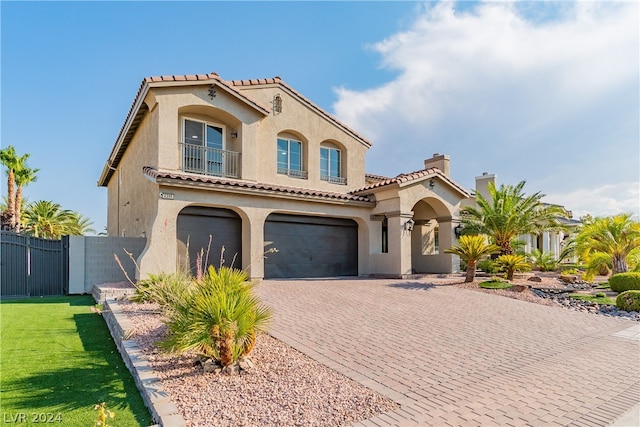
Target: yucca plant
x=471 y=249
x=513 y=263
x=219 y=317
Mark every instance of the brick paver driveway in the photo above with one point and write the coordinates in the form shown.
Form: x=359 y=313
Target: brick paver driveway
x=458 y=357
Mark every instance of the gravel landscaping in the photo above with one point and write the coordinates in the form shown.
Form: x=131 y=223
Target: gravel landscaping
x=285 y=388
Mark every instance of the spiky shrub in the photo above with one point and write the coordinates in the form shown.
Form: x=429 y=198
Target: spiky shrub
x=543 y=261
x=625 y=282
x=471 y=249
x=512 y=263
x=163 y=288
x=219 y=317
x=628 y=301
x=489 y=266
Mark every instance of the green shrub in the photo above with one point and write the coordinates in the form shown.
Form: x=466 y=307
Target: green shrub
x=628 y=301
x=625 y=282
x=163 y=288
x=488 y=266
x=570 y=271
x=543 y=261
x=600 y=295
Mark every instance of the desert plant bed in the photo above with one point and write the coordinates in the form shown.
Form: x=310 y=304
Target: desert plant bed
x=59 y=361
x=283 y=388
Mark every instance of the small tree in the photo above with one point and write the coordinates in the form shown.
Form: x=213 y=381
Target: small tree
x=219 y=317
x=608 y=241
x=512 y=263
x=471 y=249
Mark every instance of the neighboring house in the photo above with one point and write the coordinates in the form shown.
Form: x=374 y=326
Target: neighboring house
x=253 y=165
x=548 y=241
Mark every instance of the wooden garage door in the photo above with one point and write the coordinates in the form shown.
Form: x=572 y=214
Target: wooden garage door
x=196 y=224
x=310 y=246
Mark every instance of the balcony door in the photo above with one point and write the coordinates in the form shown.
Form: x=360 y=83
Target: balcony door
x=203 y=147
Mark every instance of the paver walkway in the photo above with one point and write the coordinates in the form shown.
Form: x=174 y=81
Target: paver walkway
x=456 y=357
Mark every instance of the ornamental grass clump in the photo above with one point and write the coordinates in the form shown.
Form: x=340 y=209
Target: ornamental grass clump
x=163 y=288
x=219 y=317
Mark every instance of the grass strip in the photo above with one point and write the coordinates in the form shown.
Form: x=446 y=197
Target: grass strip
x=492 y=284
x=58 y=360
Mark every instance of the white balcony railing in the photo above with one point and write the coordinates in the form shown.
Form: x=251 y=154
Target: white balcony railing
x=210 y=161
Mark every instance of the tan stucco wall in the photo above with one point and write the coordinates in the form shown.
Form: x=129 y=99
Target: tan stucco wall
x=132 y=197
x=299 y=119
x=253 y=210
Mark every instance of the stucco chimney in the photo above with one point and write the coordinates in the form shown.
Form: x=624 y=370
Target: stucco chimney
x=440 y=161
x=482 y=182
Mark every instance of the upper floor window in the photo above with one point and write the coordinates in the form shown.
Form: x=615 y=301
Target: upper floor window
x=203 y=150
x=290 y=160
x=331 y=165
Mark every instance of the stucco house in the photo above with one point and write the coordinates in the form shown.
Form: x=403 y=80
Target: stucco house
x=203 y=163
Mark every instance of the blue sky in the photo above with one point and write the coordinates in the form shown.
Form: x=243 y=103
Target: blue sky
x=546 y=92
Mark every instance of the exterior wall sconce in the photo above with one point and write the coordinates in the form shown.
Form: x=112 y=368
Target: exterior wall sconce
x=432 y=183
x=458 y=231
x=408 y=226
x=277 y=104
x=234 y=134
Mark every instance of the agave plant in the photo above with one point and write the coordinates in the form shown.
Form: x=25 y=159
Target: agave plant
x=513 y=263
x=219 y=317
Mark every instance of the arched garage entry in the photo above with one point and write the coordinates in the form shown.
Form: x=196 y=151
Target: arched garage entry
x=310 y=246
x=196 y=224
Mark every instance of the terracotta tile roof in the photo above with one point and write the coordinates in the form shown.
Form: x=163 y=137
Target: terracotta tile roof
x=374 y=178
x=412 y=176
x=205 y=179
x=139 y=109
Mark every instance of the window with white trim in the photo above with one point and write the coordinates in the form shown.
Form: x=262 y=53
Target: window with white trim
x=290 y=160
x=331 y=165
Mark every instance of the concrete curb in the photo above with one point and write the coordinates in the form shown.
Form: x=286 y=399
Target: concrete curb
x=162 y=409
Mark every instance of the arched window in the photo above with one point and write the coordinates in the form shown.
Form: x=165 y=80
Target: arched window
x=290 y=158
x=331 y=164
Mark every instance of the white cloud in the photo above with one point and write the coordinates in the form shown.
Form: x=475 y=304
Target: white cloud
x=552 y=101
x=606 y=200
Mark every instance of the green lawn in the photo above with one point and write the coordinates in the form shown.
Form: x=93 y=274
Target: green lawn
x=57 y=361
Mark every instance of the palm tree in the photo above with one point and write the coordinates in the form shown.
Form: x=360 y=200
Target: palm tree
x=23 y=176
x=509 y=213
x=471 y=249
x=218 y=316
x=48 y=220
x=608 y=241
x=12 y=162
x=511 y=262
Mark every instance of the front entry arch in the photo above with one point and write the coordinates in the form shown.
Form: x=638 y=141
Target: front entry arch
x=432 y=234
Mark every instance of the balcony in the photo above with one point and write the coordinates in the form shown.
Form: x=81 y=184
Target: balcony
x=293 y=173
x=210 y=161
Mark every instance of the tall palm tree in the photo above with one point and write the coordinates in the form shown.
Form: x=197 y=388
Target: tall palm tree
x=79 y=225
x=471 y=249
x=23 y=176
x=608 y=241
x=509 y=213
x=12 y=162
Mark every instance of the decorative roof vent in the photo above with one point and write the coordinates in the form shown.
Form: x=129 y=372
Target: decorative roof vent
x=277 y=104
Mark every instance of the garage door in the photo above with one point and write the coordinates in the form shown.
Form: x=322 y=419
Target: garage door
x=310 y=246
x=196 y=224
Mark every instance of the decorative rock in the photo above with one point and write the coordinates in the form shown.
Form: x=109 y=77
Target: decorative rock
x=231 y=369
x=535 y=279
x=568 y=278
x=245 y=363
x=519 y=288
x=211 y=366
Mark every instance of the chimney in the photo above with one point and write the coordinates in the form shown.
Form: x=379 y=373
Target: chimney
x=440 y=161
x=482 y=182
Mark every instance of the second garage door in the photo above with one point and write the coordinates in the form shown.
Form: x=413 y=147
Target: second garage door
x=310 y=246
